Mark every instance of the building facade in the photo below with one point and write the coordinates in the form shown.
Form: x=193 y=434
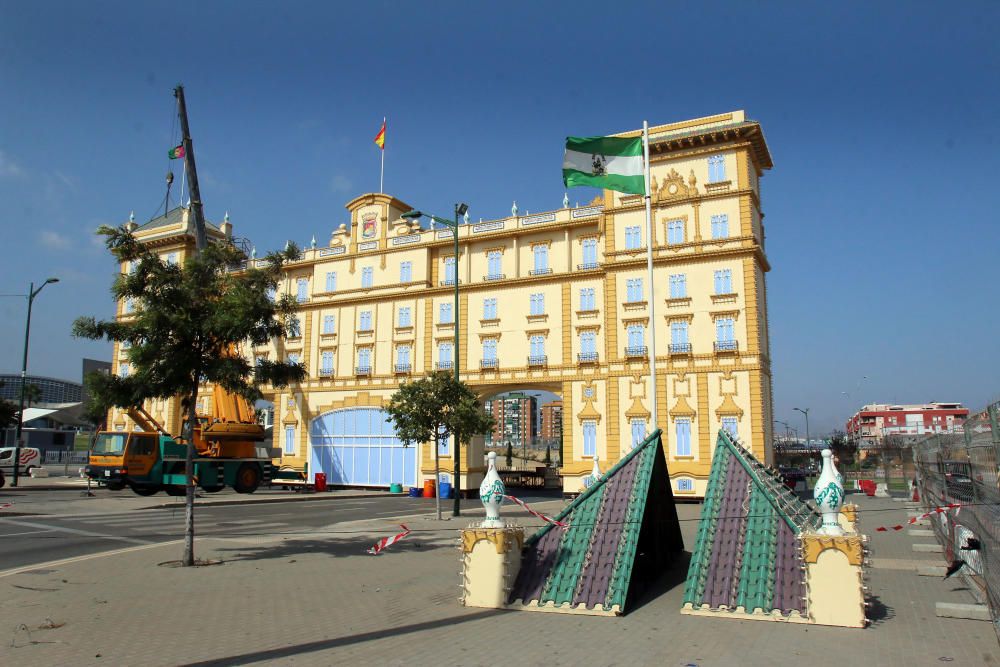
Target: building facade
x=551 y=422
x=872 y=423
x=51 y=390
x=376 y=310
x=514 y=414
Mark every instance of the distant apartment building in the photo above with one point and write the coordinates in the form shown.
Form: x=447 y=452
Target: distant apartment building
x=515 y=418
x=551 y=426
x=872 y=423
x=51 y=390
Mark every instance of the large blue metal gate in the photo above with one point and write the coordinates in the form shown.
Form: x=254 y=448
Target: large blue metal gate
x=358 y=446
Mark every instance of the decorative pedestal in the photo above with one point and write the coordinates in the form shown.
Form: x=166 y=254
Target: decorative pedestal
x=848 y=518
x=491 y=559
x=835 y=578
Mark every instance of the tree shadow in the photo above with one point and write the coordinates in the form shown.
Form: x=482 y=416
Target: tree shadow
x=338 y=546
x=878 y=611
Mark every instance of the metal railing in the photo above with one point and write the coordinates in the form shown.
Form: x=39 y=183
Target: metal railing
x=588 y=266
x=961 y=468
x=445 y=365
x=495 y=276
x=325 y=372
x=726 y=345
x=489 y=363
x=679 y=348
x=539 y=272
x=587 y=357
x=635 y=351
x=449 y=282
x=538 y=361
x=403 y=368
x=362 y=370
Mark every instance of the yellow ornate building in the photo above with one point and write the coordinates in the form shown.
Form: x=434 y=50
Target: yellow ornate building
x=556 y=301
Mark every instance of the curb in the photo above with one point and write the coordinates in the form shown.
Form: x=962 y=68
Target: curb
x=278 y=499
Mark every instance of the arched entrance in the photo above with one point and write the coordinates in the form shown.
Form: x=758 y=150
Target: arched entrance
x=359 y=447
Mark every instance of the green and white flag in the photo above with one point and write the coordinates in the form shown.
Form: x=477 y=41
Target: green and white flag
x=605 y=162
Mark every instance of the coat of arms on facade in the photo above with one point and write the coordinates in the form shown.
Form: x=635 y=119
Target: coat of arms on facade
x=599 y=165
x=368 y=225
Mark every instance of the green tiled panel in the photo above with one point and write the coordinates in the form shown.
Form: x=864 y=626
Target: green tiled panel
x=757 y=553
x=573 y=550
x=629 y=539
x=694 y=589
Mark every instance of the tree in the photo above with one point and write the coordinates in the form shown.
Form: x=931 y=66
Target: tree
x=189 y=322
x=843 y=448
x=8 y=412
x=510 y=455
x=432 y=409
x=32 y=394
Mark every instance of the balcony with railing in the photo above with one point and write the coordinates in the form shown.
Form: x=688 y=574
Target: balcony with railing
x=679 y=348
x=495 y=276
x=635 y=351
x=489 y=364
x=726 y=346
x=449 y=282
x=445 y=365
x=363 y=370
x=325 y=372
x=402 y=369
x=540 y=272
x=538 y=361
x=587 y=357
x=588 y=266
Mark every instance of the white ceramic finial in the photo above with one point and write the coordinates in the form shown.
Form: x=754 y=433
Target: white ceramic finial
x=492 y=492
x=465 y=217
x=829 y=496
x=131 y=216
x=253 y=252
x=565 y=200
x=225 y=218
x=513 y=209
x=312 y=244
x=596 y=472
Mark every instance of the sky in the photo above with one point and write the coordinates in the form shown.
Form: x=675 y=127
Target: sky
x=880 y=118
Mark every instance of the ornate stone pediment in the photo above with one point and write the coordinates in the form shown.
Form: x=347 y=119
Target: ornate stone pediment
x=674 y=187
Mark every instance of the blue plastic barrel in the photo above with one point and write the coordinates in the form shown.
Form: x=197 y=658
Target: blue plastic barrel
x=415 y=491
x=445 y=490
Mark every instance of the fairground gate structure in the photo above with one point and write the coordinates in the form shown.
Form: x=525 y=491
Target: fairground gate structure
x=555 y=301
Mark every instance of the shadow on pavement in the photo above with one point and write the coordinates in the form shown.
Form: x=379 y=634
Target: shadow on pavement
x=878 y=611
x=673 y=577
x=337 y=546
x=326 y=644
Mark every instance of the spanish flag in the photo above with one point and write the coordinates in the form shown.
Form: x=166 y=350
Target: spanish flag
x=380 y=137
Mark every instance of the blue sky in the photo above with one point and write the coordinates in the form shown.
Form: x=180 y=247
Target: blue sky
x=881 y=119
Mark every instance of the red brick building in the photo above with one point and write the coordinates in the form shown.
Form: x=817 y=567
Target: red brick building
x=873 y=422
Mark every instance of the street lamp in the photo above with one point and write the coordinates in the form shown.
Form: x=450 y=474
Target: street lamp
x=806 y=413
x=32 y=293
x=460 y=210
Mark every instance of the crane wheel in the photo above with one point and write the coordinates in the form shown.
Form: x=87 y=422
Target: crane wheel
x=175 y=490
x=212 y=489
x=247 y=478
x=145 y=490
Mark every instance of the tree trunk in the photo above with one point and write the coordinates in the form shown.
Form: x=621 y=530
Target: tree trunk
x=437 y=476
x=189 y=480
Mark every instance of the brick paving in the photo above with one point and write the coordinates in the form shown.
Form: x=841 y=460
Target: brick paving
x=320 y=600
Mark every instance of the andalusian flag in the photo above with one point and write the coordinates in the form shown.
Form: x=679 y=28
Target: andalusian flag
x=605 y=162
x=380 y=137
x=176 y=152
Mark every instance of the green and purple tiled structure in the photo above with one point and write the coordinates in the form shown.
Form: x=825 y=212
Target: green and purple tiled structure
x=746 y=557
x=623 y=533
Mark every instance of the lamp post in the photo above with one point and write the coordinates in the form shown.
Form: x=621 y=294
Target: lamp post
x=806 y=413
x=32 y=293
x=460 y=210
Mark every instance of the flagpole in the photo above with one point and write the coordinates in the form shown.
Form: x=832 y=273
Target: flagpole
x=649 y=271
x=381 y=174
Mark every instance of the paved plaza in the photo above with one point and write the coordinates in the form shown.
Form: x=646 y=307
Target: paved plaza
x=319 y=599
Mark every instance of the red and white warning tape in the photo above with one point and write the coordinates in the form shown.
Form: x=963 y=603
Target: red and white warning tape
x=6 y=505
x=541 y=516
x=389 y=541
x=936 y=510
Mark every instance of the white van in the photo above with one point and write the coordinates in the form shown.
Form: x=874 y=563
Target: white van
x=31 y=458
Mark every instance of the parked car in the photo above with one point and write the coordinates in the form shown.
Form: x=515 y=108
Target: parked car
x=958 y=480
x=2 y=479
x=792 y=476
x=31 y=458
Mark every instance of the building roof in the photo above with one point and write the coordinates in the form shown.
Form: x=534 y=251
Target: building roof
x=174 y=216
x=746 y=557
x=622 y=534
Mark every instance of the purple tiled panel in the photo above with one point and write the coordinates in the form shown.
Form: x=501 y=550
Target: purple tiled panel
x=596 y=575
x=727 y=545
x=789 y=584
x=536 y=563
